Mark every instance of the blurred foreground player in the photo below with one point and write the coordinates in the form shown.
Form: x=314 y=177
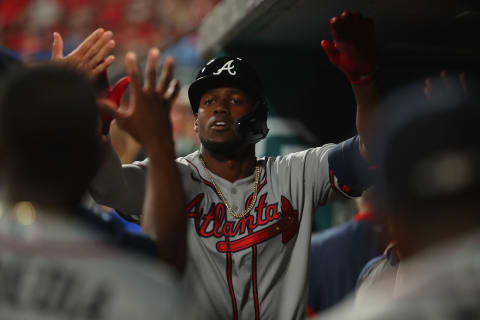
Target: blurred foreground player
x=429 y=157
x=249 y=218
x=57 y=260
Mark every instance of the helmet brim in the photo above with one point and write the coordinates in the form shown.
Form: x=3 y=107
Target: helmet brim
x=202 y=85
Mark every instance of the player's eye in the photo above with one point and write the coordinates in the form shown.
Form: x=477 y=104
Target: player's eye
x=209 y=101
x=236 y=101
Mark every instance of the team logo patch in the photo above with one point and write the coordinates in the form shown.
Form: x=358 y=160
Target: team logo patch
x=229 y=66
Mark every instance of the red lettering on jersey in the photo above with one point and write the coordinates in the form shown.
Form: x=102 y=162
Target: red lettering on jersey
x=220 y=211
x=228 y=229
x=244 y=224
x=194 y=211
x=272 y=211
x=287 y=226
x=214 y=223
x=259 y=210
x=193 y=208
x=209 y=217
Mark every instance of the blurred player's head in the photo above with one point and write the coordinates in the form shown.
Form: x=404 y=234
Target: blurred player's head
x=49 y=131
x=429 y=156
x=229 y=105
x=9 y=61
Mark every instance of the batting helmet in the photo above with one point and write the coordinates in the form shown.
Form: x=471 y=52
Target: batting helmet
x=236 y=73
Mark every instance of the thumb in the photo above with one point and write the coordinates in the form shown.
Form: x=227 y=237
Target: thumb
x=108 y=111
x=107 y=108
x=57 y=46
x=118 y=90
x=330 y=51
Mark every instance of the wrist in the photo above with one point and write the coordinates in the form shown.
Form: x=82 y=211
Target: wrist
x=160 y=147
x=362 y=79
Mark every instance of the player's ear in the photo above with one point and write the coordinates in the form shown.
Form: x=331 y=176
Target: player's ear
x=195 y=124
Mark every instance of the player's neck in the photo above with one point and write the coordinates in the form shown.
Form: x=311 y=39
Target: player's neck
x=231 y=167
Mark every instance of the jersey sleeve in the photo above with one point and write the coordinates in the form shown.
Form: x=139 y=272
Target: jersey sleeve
x=120 y=187
x=319 y=174
x=349 y=173
x=304 y=175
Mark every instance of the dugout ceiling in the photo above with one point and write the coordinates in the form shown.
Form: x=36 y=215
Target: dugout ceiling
x=282 y=39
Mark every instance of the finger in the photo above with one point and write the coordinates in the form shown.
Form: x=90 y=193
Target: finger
x=172 y=92
x=166 y=77
x=346 y=17
x=151 y=74
x=347 y=24
x=132 y=71
x=428 y=88
x=330 y=51
x=102 y=66
x=100 y=50
x=463 y=83
x=100 y=56
x=446 y=82
x=87 y=44
x=57 y=46
x=336 y=28
x=108 y=107
x=357 y=16
x=98 y=44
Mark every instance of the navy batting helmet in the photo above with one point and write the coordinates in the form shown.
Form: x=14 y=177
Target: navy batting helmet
x=236 y=73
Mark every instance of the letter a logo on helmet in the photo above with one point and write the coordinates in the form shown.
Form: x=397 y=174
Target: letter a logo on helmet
x=227 y=66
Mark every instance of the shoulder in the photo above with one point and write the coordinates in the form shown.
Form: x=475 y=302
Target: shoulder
x=317 y=154
x=186 y=163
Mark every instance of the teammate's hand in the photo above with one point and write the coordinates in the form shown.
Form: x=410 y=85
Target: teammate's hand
x=146 y=115
x=448 y=84
x=91 y=56
x=353 y=50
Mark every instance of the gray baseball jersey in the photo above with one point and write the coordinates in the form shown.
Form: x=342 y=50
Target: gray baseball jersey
x=62 y=266
x=254 y=267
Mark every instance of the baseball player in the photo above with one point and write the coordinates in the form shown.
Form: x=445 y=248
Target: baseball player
x=60 y=261
x=248 y=218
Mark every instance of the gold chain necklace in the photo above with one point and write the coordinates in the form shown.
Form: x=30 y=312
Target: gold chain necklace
x=220 y=193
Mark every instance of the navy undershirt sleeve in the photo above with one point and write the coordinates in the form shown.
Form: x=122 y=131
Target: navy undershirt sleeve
x=350 y=173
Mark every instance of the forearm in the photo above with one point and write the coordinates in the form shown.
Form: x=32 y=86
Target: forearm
x=121 y=188
x=367 y=98
x=164 y=204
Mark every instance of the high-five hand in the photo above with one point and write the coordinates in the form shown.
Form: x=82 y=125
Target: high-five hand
x=353 y=49
x=91 y=56
x=146 y=115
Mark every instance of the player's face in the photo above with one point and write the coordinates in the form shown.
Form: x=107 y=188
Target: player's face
x=217 y=112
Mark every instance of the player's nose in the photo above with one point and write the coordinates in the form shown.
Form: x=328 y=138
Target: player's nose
x=222 y=107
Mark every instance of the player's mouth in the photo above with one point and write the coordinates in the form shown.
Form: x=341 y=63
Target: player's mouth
x=220 y=125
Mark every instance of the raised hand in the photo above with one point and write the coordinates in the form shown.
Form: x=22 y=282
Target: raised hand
x=146 y=115
x=91 y=56
x=447 y=85
x=353 y=49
